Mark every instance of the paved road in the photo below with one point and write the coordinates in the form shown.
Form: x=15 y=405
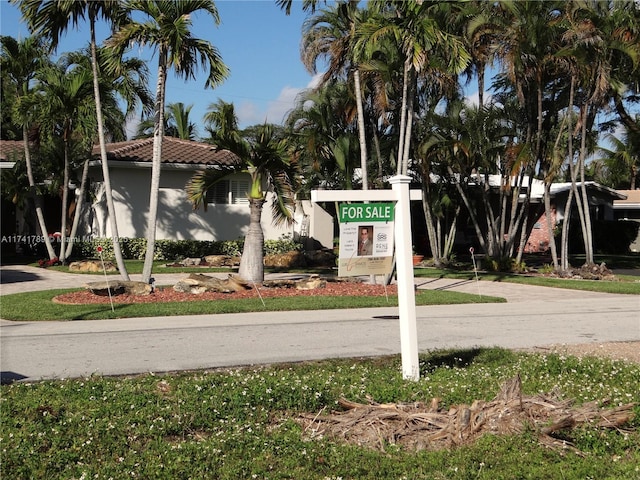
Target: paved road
x=533 y=316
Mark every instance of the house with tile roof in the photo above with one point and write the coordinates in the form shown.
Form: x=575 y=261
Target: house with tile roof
x=227 y=214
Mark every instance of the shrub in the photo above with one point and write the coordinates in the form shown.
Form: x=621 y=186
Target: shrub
x=504 y=264
x=135 y=248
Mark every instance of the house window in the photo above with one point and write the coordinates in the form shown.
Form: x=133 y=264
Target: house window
x=229 y=192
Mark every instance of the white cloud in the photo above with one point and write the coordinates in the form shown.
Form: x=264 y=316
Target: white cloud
x=249 y=113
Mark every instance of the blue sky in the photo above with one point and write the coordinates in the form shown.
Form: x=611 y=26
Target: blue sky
x=257 y=41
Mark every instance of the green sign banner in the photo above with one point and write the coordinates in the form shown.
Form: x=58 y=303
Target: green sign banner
x=365 y=212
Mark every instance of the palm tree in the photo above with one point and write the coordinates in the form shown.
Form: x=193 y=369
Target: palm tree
x=119 y=79
x=320 y=125
x=20 y=63
x=332 y=34
x=623 y=160
x=168 y=29
x=307 y=5
x=66 y=110
x=600 y=39
x=266 y=159
x=177 y=123
x=51 y=18
x=419 y=33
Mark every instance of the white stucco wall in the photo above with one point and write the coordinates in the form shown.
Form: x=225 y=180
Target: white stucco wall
x=176 y=218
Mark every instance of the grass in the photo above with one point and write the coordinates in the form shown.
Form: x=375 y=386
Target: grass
x=241 y=423
x=39 y=306
x=625 y=284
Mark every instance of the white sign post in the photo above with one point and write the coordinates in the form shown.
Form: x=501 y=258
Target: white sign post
x=401 y=194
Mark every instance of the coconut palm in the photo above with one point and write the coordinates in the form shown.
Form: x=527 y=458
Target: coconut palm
x=50 y=19
x=167 y=28
x=120 y=79
x=267 y=160
x=20 y=63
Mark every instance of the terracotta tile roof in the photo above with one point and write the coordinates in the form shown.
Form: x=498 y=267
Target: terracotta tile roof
x=11 y=150
x=174 y=151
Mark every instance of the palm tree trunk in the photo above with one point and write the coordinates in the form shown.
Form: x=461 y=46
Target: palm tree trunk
x=252 y=260
x=564 y=246
x=361 y=132
x=158 y=135
x=434 y=240
x=78 y=211
x=65 y=201
x=36 y=196
x=106 y=177
x=587 y=232
x=403 y=117
x=408 y=123
x=547 y=213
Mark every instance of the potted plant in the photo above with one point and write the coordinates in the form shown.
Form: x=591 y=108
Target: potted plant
x=417 y=258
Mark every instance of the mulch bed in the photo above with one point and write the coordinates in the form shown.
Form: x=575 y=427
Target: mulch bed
x=167 y=294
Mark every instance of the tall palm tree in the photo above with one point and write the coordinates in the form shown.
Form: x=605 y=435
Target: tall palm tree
x=120 y=79
x=167 y=28
x=600 y=39
x=66 y=110
x=266 y=159
x=20 y=63
x=332 y=34
x=419 y=33
x=50 y=19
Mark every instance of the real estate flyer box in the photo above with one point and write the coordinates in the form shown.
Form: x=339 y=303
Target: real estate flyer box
x=366 y=239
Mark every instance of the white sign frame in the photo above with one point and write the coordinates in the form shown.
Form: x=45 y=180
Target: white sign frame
x=401 y=194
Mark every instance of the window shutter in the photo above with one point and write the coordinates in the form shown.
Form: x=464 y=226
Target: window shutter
x=239 y=189
x=218 y=193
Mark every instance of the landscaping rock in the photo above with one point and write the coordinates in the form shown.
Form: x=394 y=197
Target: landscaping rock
x=190 y=262
x=91 y=266
x=320 y=258
x=309 y=283
x=221 y=261
x=119 y=287
x=196 y=283
x=285 y=260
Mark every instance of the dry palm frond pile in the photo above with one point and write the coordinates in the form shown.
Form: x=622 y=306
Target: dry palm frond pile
x=419 y=426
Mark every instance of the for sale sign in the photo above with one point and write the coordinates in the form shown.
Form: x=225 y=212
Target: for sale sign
x=366 y=239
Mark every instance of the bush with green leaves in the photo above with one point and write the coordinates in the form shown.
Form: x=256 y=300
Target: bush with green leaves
x=166 y=250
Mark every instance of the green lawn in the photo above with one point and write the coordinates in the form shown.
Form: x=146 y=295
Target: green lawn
x=39 y=306
x=243 y=423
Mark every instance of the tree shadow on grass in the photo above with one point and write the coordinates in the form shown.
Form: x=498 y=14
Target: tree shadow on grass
x=449 y=359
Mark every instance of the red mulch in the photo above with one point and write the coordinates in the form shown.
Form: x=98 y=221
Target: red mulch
x=167 y=294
